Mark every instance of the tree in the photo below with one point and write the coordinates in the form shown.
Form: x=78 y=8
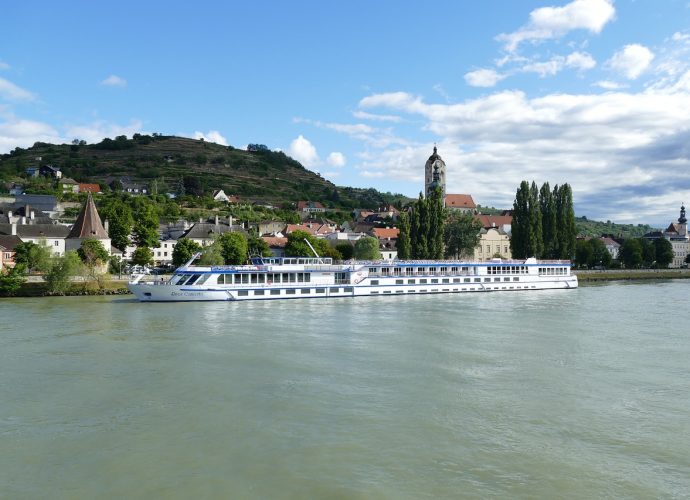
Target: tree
x=461 y=235
x=183 y=251
x=648 y=252
x=404 y=250
x=120 y=222
x=347 y=251
x=565 y=216
x=687 y=259
x=436 y=219
x=520 y=226
x=583 y=253
x=664 y=252
x=536 y=243
x=12 y=279
x=233 y=248
x=549 y=222
x=142 y=256
x=34 y=257
x=212 y=256
x=600 y=254
x=92 y=253
x=61 y=270
x=367 y=248
x=258 y=246
x=296 y=246
x=630 y=253
x=146 y=227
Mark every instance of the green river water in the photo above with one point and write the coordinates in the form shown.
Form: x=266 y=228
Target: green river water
x=555 y=394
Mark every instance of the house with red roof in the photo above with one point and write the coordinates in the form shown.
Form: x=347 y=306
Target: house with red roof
x=460 y=202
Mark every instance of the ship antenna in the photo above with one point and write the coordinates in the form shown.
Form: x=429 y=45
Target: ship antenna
x=312 y=249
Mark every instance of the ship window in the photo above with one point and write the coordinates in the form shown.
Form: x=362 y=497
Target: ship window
x=259 y=292
x=506 y=279
x=399 y=282
x=422 y=281
x=374 y=282
x=262 y=278
x=348 y=289
x=290 y=292
x=373 y=270
x=410 y=282
x=255 y=278
x=305 y=291
x=497 y=279
x=203 y=279
x=335 y=290
x=477 y=280
x=245 y=279
x=466 y=280
x=445 y=280
x=487 y=279
x=275 y=292
x=435 y=280
x=243 y=293
x=192 y=279
x=320 y=290
x=409 y=271
x=516 y=278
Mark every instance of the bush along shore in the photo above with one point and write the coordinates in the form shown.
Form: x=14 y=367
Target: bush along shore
x=589 y=277
x=40 y=289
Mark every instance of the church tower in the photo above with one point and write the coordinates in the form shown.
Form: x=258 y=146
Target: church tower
x=88 y=226
x=434 y=174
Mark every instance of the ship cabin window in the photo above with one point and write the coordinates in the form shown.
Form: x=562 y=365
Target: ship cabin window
x=432 y=270
x=410 y=282
x=445 y=280
x=397 y=271
x=444 y=270
x=385 y=271
x=421 y=270
x=374 y=282
x=399 y=282
x=465 y=269
x=422 y=281
x=435 y=280
x=192 y=279
x=467 y=280
x=373 y=270
x=477 y=280
x=409 y=271
x=487 y=279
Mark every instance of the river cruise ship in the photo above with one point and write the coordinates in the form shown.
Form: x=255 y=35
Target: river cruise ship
x=306 y=277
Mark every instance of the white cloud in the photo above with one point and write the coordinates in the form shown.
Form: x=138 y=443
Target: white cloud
x=24 y=133
x=363 y=115
x=114 y=81
x=554 y=22
x=612 y=147
x=304 y=152
x=580 y=60
x=336 y=159
x=631 y=60
x=577 y=60
x=12 y=92
x=608 y=85
x=98 y=130
x=483 y=78
x=680 y=37
x=4 y=65
x=211 y=136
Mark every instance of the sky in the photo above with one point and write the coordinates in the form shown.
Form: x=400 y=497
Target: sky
x=595 y=93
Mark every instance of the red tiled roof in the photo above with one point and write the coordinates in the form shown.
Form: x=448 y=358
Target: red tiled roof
x=298 y=227
x=382 y=233
x=275 y=241
x=494 y=220
x=89 y=188
x=301 y=205
x=459 y=201
x=88 y=223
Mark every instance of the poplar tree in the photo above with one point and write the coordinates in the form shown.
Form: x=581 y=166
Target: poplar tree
x=422 y=210
x=520 y=225
x=548 y=221
x=536 y=243
x=567 y=231
x=436 y=220
x=404 y=237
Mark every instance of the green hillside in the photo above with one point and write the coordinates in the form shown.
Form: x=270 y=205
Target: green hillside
x=168 y=163
x=586 y=227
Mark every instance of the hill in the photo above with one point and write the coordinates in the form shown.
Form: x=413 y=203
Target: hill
x=169 y=163
x=586 y=227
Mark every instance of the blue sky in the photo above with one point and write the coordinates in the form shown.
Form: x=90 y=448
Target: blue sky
x=595 y=93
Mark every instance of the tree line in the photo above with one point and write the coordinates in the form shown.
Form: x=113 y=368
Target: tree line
x=543 y=222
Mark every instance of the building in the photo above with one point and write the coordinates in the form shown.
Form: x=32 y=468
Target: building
x=310 y=207
x=460 y=203
x=7 y=245
x=69 y=185
x=677 y=234
x=219 y=195
x=494 y=242
x=612 y=246
x=87 y=227
x=435 y=166
x=89 y=188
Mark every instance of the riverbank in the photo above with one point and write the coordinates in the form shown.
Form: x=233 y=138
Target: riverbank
x=589 y=277
x=40 y=289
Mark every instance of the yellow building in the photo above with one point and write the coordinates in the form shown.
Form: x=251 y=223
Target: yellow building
x=493 y=242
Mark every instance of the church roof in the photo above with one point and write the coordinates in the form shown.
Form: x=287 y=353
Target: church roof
x=88 y=223
x=459 y=201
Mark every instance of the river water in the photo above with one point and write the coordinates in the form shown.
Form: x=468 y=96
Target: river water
x=553 y=394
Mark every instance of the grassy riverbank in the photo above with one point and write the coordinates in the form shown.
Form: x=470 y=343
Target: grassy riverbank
x=589 y=277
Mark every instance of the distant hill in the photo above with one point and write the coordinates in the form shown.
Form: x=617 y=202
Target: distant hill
x=167 y=163
x=586 y=227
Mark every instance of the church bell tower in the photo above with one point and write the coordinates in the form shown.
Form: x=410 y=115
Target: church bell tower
x=434 y=174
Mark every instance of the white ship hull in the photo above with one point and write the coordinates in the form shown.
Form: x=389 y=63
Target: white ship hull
x=318 y=280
